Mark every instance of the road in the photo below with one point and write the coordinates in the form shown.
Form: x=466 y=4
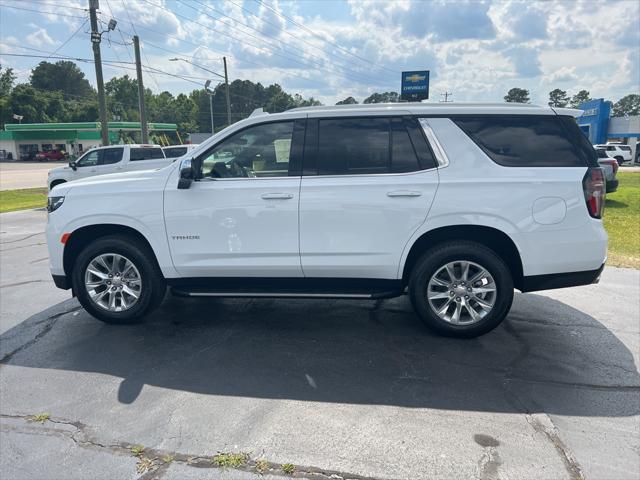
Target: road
x=15 y=175
x=357 y=389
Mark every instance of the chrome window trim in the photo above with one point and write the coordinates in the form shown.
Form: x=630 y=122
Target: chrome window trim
x=438 y=151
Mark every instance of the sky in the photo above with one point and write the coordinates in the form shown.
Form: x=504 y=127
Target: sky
x=332 y=49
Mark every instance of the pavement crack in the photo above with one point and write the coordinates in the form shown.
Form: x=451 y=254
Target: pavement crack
x=551 y=433
x=155 y=458
x=21 y=239
x=17 y=284
x=48 y=323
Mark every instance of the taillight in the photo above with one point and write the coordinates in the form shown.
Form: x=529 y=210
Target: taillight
x=615 y=166
x=594 y=186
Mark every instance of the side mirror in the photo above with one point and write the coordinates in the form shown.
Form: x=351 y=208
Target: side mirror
x=73 y=165
x=187 y=174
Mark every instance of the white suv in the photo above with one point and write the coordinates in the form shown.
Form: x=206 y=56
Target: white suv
x=622 y=153
x=111 y=159
x=454 y=204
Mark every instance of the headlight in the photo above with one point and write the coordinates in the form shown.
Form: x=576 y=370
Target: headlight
x=53 y=203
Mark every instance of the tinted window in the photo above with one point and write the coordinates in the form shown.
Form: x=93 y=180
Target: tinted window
x=522 y=140
x=145 y=154
x=353 y=146
x=403 y=155
x=626 y=149
x=260 y=151
x=111 y=155
x=580 y=140
x=175 y=151
x=601 y=153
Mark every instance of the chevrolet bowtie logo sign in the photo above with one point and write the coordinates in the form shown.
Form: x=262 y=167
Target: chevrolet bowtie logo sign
x=415 y=85
x=415 y=78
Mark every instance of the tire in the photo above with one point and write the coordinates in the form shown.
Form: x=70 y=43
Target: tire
x=619 y=160
x=55 y=183
x=428 y=275
x=150 y=290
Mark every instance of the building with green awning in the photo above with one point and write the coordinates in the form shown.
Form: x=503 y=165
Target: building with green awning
x=23 y=140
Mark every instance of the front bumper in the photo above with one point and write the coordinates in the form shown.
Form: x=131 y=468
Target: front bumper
x=560 y=280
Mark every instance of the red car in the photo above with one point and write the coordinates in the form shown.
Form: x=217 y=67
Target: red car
x=51 y=155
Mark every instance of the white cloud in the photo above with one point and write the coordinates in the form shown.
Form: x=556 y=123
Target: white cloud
x=39 y=37
x=564 y=74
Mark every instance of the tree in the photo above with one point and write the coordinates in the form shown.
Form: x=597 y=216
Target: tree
x=28 y=102
x=517 y=95
x=347 y=101
x=122 y=98
x=7 y=77
x=558 y=98
x=64 y=76
x=385 y=97
x=627 y=106
x=579 y=98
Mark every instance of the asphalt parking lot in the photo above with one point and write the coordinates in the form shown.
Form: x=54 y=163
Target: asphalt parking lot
x=353 y=389
x=16 y=175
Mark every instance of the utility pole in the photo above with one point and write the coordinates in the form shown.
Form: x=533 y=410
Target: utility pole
x=226 y=82
x=446 y=96
x=143 y=112
x=211 y=112
x=97 y=60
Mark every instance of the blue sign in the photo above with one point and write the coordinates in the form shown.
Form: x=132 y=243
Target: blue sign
x=415 y=85
x=594 y=122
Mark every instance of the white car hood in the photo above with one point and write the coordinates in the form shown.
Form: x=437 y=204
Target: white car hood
x=100 y=181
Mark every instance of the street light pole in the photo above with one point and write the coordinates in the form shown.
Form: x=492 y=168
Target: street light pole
x=225 y=77
x=95 y=42
x=210 y=93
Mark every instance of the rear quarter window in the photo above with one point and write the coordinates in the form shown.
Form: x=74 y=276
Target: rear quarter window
x=526 y=140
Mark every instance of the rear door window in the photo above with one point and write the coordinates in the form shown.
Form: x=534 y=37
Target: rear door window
x=523 y=140
x=353 y=146
x=142 y=153
x=111 y=155
x=175 y=151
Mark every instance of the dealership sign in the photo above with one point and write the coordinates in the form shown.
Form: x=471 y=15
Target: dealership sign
x=415 y=85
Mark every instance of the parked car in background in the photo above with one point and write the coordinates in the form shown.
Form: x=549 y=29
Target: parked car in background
x=51 y=156
x=111 y=159
x=622 y=153
x=454 y=204
x=175 y=151
x=610 y=166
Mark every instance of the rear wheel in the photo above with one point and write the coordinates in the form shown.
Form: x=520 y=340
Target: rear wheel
x=619 y=160
x=462 y=289
x=117 y=280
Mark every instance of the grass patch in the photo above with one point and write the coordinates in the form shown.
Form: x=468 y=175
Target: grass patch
x=144 y=465
x=11 y=200
x=41 y=417
x=622 y=221
x=137 y=450
x=288 y=468
x=230 y=460
x=262 y=466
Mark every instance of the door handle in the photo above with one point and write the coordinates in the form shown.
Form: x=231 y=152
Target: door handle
x=277 y=196
x=403 y=193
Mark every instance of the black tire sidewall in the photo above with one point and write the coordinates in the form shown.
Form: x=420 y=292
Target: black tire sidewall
x=470 y=251
x=136 y=253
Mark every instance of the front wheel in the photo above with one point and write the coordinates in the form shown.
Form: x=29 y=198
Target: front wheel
x=117 y=280
x=461 y=289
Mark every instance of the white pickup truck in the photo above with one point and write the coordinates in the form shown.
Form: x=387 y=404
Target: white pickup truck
x=111 y=159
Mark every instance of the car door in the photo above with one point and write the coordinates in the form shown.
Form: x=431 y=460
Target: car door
x=367 y=185
x=240 y=218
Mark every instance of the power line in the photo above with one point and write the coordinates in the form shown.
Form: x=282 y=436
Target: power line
x=40 y=11
x=323 y=39
x=134 y=30
x=241 y=40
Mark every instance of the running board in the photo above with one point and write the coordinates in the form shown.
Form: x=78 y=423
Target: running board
x=181 y=292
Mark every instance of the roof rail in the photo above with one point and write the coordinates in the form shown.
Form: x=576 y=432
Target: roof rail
x=401 y=105
x=257 y=112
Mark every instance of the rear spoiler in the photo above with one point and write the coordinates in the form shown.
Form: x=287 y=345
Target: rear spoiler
x=568 y=112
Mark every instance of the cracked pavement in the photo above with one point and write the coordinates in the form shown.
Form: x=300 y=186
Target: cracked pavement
x=339 y=389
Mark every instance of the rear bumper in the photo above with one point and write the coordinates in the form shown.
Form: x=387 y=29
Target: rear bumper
x=560 y=280
x=612 y=185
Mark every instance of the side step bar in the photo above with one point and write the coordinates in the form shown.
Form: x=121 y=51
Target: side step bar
x=181 y=292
